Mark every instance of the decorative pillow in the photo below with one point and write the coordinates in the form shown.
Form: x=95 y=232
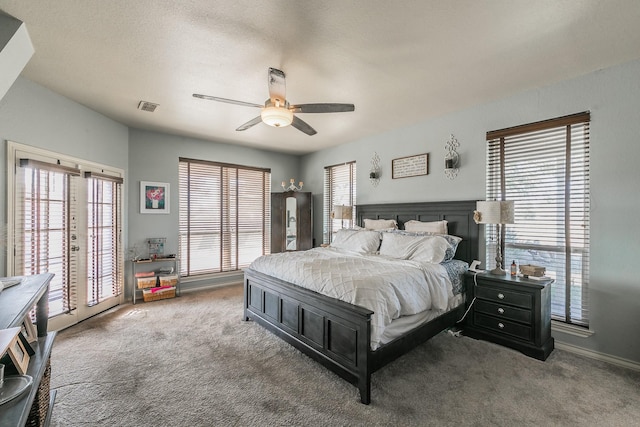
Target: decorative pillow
x=432 y=249
x=397 y=245
x=452 y=241
x=417 y=248
x=380 y=224
x=361 y=241
x=439 y=227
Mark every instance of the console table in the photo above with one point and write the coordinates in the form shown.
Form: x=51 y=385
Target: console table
x=15 y=303
x=137 y=266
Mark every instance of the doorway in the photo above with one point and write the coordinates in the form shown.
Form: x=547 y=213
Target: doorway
x=65 y=218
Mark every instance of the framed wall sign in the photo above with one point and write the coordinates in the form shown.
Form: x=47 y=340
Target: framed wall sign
x=154 y=197
x=405 y=167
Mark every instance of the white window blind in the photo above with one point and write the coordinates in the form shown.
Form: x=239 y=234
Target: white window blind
x=43 y=228
x=225 y=216
x=544 y=168
x=339 y=189
x=105 y=260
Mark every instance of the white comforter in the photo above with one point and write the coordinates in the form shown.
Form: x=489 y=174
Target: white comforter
x=389 y=287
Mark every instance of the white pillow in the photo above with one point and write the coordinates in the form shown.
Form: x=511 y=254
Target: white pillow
x=432 y=249
x=417 y=248
x=397 y=245
x=362 y=241
x=452 y=240
x=439 y=227
x=380 y=224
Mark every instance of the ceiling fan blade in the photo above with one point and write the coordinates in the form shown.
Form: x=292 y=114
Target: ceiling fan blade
x=250 y=123
x=277 y=86
x=228 y=101
x=301 y=125
x=322 y=108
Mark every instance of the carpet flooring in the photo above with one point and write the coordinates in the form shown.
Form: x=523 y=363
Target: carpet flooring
x=192 y=361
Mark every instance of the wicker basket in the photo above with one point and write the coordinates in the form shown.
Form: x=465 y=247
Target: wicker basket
x=147 y=282
x=168 y=280
x=40 y=407
x=155 y=294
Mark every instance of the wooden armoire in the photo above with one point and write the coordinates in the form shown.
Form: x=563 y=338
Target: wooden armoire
x=291 y=221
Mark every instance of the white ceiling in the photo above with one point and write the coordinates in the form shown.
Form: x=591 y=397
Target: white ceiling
x=399 y=62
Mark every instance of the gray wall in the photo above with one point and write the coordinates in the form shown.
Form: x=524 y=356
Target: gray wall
x=33 y=115
x=154 y=157
x=613 y=97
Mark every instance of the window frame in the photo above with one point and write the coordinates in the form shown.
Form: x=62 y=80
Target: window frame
x=567 y=191
x=339 y=188
x=222 y=216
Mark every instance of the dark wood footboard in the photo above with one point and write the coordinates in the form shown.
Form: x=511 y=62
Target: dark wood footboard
x=332 y=332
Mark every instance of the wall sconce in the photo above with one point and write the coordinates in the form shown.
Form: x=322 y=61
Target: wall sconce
x=292 y=186
x=374 y=172
x=452 y=158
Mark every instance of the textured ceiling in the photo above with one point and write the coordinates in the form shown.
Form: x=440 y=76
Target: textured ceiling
x=399 y=62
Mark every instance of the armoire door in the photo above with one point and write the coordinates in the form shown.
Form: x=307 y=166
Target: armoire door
x=291 y=221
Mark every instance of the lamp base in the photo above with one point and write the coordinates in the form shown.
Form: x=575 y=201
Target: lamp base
x=498 y=271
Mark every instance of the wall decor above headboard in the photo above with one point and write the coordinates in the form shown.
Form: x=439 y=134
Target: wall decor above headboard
x=459 y=215
x=405 y=167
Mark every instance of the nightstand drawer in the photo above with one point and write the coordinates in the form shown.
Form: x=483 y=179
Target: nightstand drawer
x=503 y=326
x=501 y=296
x=503 y=311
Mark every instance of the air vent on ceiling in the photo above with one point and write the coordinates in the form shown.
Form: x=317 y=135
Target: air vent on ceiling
x=147 y=106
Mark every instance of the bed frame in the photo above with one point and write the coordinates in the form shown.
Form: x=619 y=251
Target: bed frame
x=337 y=334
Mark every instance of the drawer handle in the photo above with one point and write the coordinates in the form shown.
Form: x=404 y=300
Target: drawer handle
x=501 y=310
x=501 y=325
x=501 y=295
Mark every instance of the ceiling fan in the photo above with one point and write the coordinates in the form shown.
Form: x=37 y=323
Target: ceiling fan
x=277 y=111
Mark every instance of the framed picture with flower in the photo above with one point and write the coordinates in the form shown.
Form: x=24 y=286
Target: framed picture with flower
x=154 y=197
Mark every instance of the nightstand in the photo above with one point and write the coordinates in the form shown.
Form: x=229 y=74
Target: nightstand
x=510 y=311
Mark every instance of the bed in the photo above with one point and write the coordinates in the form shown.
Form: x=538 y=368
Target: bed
x=338 y=334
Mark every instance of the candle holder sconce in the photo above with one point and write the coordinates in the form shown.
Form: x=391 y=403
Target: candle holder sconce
x=452 y=158
x=374 y=172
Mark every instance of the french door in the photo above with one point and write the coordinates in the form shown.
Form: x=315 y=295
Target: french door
x=65 y=217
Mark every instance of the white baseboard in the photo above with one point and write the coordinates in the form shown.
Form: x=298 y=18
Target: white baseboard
x=617 y=361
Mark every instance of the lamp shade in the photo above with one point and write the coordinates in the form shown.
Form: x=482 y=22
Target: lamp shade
x=342 y=212
x=494 y=212
x=277 y=116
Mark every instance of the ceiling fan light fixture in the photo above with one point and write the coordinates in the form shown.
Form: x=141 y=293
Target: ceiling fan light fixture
x=277 y=116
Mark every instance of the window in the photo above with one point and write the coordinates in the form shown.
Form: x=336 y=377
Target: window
x=225 y=216
x=544 y=168
x=339 y=189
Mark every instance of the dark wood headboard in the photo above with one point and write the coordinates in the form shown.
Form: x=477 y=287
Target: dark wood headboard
x=459 y=215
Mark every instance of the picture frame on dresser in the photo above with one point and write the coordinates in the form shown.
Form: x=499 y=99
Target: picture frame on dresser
x=11 y=343
x=29 y=330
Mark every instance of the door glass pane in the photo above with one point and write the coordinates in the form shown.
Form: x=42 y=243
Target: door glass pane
x=43 y=230
x=104 y=277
